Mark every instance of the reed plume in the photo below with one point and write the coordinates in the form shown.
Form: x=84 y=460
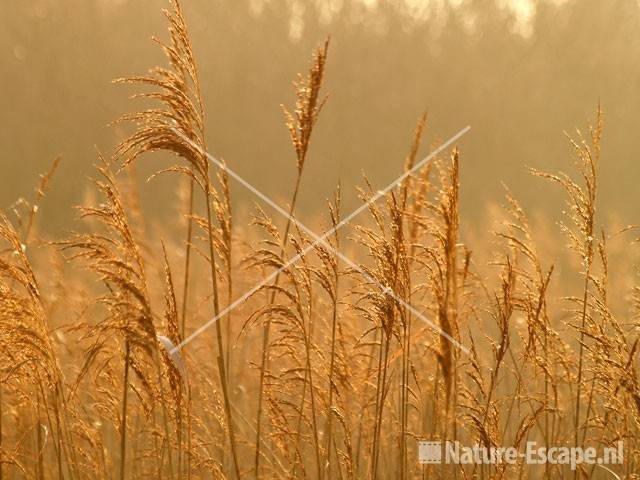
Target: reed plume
x=580 y=233
x=177 y=126
x=300 y=125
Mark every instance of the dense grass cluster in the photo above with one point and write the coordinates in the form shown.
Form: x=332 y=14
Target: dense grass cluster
x=328 y=370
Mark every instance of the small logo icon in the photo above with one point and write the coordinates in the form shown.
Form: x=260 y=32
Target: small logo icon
x=429 y=452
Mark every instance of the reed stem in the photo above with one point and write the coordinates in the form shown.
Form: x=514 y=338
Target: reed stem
x=123 y=420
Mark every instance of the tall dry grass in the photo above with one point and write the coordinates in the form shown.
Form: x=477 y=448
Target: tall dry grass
x=320 y=373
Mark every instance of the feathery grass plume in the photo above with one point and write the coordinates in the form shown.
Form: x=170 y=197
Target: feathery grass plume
x=288 y=383
x=300 y=124
x=114 y=256
x=310 y=348
x=613 y=393
x=222 y=209
x=408 y=184
x=484 y=411
x=543 y=345
x=32 y=208
x=179 y=114
x=437 y=256
x=30 y=327
x=177 y=125
x=328 y=276
x=441 y=258
x=543 y=349
x=408 y=219
x=25 y=211
x=175 y=369
x=580 y=233
x=26 y=350
x=222 y=236
x=53 y=396
x=386 y=246
x=308 y=105
x=448 y=239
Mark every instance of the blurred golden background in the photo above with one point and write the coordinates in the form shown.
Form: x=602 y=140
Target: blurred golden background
x=520 y=72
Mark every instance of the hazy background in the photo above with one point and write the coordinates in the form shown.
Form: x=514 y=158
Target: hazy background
x=519 y=72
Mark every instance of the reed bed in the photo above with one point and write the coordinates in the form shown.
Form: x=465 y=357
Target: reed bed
x=320 y=373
